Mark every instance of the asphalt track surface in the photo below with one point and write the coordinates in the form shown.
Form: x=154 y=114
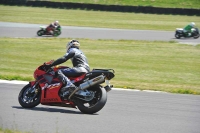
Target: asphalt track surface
x=8 y=29
x=125 y=111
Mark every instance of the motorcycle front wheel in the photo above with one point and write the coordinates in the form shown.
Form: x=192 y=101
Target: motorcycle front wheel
x=94 y=105
x=27 y=98
x=56 y=33
x=40 y=32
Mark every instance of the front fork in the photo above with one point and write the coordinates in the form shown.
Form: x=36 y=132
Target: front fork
x=33 y=86
x=32 y=90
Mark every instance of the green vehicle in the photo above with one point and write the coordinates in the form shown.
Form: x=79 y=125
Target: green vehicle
x=180 y=33
x=43 y=31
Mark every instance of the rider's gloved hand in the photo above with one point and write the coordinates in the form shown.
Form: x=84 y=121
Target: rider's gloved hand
x=47 y=65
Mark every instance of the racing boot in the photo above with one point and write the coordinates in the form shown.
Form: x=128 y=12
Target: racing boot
x=68 y=86
x=51 y=32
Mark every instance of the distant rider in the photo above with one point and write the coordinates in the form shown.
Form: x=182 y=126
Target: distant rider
x=50 y=29
x=80 y=65
x=187 y=29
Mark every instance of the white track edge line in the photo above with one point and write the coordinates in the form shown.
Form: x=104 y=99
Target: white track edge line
x=118 y=89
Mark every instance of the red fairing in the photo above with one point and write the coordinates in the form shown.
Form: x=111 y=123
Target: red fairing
x=32 y=83
x=38 y=72
x=50 y=92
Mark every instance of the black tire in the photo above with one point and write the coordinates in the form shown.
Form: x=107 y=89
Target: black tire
x=197 y=36
x=23 y=96
x=56 y=33
x=40 y=32
x=177 y=36
x=96 y=104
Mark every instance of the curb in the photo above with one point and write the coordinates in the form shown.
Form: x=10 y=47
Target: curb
x=117 y=89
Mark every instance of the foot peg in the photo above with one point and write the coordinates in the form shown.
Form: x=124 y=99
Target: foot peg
x=108 y=88
x=73 y=92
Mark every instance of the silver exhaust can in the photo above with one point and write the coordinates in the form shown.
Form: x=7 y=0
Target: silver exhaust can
x=92 y=82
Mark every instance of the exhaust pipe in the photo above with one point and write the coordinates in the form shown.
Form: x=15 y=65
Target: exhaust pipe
x=92 y=82
x=88 y=84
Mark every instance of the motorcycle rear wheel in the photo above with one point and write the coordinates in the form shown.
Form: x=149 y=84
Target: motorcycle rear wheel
x=96 y=104
x=197 y=36
x=28 y=100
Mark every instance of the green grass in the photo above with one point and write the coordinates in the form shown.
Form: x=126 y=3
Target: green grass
x=8 y=131
x=94 y=18
x=154 y=3
x=144 y=65
x=162 y=66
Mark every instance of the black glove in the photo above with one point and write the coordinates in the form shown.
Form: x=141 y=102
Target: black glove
x=47 y=67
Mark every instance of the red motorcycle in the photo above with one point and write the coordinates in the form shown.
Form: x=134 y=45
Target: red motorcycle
x=90 y=96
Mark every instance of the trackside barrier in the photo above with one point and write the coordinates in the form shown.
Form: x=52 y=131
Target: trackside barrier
x=98 y=7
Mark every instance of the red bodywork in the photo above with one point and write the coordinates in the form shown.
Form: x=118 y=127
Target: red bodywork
x=50 y=91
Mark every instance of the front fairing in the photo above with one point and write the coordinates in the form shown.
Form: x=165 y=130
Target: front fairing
x=43 y=27
x=195 y=30
x=58 y=28
x=38 y=72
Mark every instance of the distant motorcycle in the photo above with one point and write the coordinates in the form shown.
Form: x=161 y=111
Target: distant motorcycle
x=43 y=31
x=179 y=33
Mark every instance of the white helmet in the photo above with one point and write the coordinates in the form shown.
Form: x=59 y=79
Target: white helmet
x=56 y=23
x=73 y=43
x=192 y=24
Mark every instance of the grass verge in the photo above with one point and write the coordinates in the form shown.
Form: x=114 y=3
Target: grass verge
x=8 y=131
x=144 y=65
x=94 y=18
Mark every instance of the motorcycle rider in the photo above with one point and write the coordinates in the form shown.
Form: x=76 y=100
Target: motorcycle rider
x=80 y=65
x=187 y=29
x=50 y=29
